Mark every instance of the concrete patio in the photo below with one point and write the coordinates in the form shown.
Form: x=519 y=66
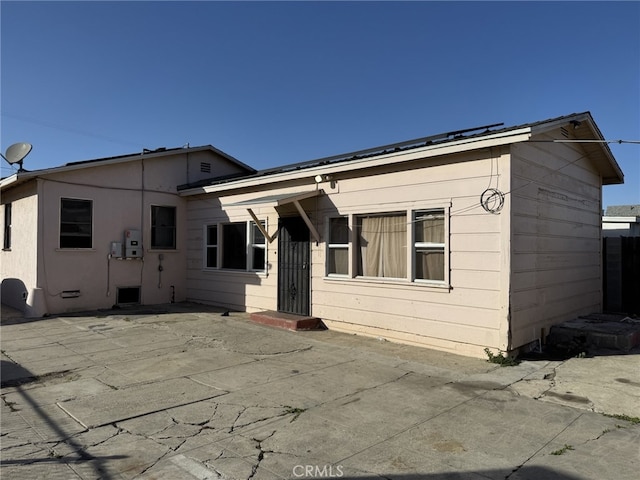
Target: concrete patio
x=182 y=392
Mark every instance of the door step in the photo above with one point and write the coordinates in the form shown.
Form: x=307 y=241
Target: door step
x=287 y=320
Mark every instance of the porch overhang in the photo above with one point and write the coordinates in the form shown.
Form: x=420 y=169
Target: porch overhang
x=279 y=200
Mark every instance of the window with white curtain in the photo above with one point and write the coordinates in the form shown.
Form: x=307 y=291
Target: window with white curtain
x=382 y=245
x=410 y=245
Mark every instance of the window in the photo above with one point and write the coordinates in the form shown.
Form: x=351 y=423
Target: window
x=239 y=245
x=382 y=245
x=163 y=227
x=212 y=246
x=338 y=246
x=76 y=217
x=409 y=246
x=257 y=248
x=429 y=244
x=7 y=227
x=234 y=246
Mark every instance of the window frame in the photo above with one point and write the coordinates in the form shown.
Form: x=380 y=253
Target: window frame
x=357 y=255
x=252 y=246
x=332 y=246
x=249 y=238
x=211 y=246
x=443 y=208
x=154 y=228
x=68 y=234
x=6 y=242
x=434 y=246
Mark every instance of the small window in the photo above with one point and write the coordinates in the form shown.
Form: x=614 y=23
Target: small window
x=128 y=296
x=257 y=248
x=163 y=227
x=338 y=246
x=76 y=219
x=212 y=246
x=7 y=227
x=429 y=246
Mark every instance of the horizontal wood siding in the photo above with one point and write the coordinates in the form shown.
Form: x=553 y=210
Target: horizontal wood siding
x=556 y=265
x=241 y=291
x=465 y=316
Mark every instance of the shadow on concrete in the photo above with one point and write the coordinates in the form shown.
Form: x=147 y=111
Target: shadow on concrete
x=14 y=375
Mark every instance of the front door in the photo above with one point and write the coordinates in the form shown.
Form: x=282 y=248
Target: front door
x=294 y=266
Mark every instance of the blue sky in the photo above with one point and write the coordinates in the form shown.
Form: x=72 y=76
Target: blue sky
x=273 y=83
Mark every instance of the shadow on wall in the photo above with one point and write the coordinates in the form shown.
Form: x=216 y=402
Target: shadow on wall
x=14 y=293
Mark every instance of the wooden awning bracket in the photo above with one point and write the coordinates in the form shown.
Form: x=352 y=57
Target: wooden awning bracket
x=307 y=220
x=270 y=238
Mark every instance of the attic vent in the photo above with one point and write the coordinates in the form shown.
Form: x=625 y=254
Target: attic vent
x=565 y=132
x=205 y=167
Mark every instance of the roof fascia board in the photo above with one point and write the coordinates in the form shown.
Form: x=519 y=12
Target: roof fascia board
x=621 y=219
x=456 y=146
x=5 y=182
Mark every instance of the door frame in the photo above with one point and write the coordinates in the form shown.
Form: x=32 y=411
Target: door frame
x=300 y=262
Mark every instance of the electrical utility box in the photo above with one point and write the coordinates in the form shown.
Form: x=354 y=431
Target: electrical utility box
x=116 y=250
x=132 y=244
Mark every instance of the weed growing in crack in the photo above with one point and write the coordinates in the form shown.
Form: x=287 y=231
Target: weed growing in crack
x=627 y=418
x=500 y=359
x=296 y=412
x=562 y=450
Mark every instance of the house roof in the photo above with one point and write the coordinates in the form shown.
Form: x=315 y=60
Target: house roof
x=582 y=124
x=25 y=175
x=623 y=211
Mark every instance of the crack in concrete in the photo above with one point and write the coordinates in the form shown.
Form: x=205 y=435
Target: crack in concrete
x=269 y=354
x=261 y=452
x=543 y=447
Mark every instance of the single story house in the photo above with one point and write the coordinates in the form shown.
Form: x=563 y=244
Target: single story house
x=480 y=238
x=104 y=232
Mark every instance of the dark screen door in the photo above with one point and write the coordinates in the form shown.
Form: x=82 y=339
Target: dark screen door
x=294 y=266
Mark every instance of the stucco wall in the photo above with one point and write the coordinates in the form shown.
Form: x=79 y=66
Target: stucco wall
x=556 y=237
x=466 y=317
x=122 y=192
x=118 y=205
x=18 y=265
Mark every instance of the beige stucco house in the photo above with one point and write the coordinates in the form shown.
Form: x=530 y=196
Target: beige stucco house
x=100 y=233
x=469 y=240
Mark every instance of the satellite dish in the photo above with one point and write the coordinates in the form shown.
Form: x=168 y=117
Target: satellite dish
x=16 y=153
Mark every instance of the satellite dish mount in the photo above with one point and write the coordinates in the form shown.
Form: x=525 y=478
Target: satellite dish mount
x=16 y=153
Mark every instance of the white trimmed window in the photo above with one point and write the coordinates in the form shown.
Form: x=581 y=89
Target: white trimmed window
x=338 y=246
x=382 y=245
x=407 y=246
x=235 y=246
x=429 y=244
x=211 y=246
